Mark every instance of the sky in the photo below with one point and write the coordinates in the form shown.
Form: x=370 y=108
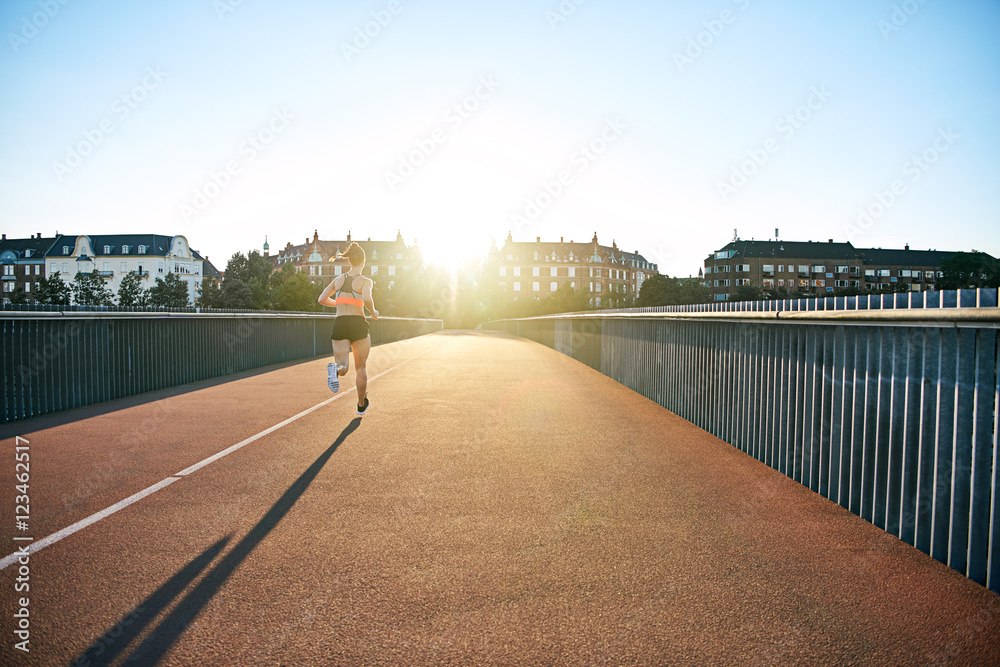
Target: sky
x=665 y=127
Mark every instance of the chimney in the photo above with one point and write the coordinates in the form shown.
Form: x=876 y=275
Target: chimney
x=775 y=233
x=560 y=239
x=829 y=240
x=906 y=247
x=538 y=239
x=4 y=237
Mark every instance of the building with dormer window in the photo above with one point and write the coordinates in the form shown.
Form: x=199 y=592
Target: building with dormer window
x=318 y=259
x=610 y=276
x=149 y=256
x=22 y=262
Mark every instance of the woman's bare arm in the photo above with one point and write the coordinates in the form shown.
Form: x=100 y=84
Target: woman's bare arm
x=324 y=297
x=366 y=297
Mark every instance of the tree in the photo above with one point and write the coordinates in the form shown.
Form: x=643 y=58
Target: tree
x=660 y=290
x=209 y=294
x=169 y=292
x=253 y=271
x=292 y=290
x=747 y=293
x=53 y=291
x=963 y=270
x=89 y=289
x=18 y=296
x=131 y=293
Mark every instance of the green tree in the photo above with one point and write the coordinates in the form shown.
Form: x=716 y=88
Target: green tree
x=169 y=292
x=131 y=293
x=89 y=289
x=292 y=290
x=18 y=296
x=660 y=290
x=747 y=293
x=53 y=291
x=210 y=294
x=253 y=271
x=963 y=270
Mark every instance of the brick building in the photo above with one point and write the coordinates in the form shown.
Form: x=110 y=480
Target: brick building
x=817 y=268
x=610 y=276
x=318 y=259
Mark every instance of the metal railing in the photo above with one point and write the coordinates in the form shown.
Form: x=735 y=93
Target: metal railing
x=890 y=413
x=55 y=360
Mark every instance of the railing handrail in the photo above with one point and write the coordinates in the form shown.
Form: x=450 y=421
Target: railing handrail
x=139 y=314
x=909 y=316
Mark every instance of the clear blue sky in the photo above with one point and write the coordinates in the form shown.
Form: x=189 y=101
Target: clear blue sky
x=173 y=92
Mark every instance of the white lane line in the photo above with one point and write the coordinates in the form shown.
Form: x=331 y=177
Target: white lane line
x=122 y=504
x=93 y=518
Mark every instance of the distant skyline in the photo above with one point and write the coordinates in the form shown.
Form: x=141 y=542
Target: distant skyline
x=663 y=127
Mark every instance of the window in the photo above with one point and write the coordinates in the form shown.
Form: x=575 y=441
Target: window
x=392 y=269
x=65 y=268
x=65 y=249
x=905 y=273
x=27 y=288
x=854 y=283
x=535 y=271
x=572 y=272
x=510 y=257
x=597 y=273
x=840 y=283
x=854 y=270
x=781 y=282
x=742 y=268
x=841 y=268
x=503 y=271
x=38 y=268
x=928 y=275
x=597 y=286
x=517 y=286
x=535 y=287
x=125 y=249
x=374 y=269
x=107 y=250
x=8 y=269
x=803 y=270
x=767 y=270
x=818 y=268
x=781 y=268
x=553 y=286
x=767 y=283
x=399 y=255
x=742 y=282
x=724 y=254
x=337 y=269
x=883 y=273
x=869 y=274
x=819 y=283
x=517 y=272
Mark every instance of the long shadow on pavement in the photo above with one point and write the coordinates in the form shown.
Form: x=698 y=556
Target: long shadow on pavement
x=159 y=641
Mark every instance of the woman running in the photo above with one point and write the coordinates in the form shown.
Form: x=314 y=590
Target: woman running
x=351 y=293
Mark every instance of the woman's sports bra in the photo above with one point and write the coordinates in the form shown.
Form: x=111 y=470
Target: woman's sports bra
x=352 y=300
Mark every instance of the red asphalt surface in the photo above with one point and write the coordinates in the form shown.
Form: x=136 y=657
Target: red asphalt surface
x=501 y=503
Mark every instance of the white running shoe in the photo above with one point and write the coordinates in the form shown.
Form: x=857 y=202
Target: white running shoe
x=332 y=379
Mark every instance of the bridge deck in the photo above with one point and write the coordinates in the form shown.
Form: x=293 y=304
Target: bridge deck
x=501 y=503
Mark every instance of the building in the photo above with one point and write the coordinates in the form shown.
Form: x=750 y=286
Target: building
x=818 y=269
x=318 y=259
x=610 y=276
x=23 y=262
x=149 y=256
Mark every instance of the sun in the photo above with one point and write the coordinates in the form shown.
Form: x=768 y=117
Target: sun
x=451 y=253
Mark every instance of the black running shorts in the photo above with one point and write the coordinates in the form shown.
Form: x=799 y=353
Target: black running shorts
x=350 y=327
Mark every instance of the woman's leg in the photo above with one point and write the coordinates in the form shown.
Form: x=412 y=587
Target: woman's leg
x=342 y=353
x=361 y=349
